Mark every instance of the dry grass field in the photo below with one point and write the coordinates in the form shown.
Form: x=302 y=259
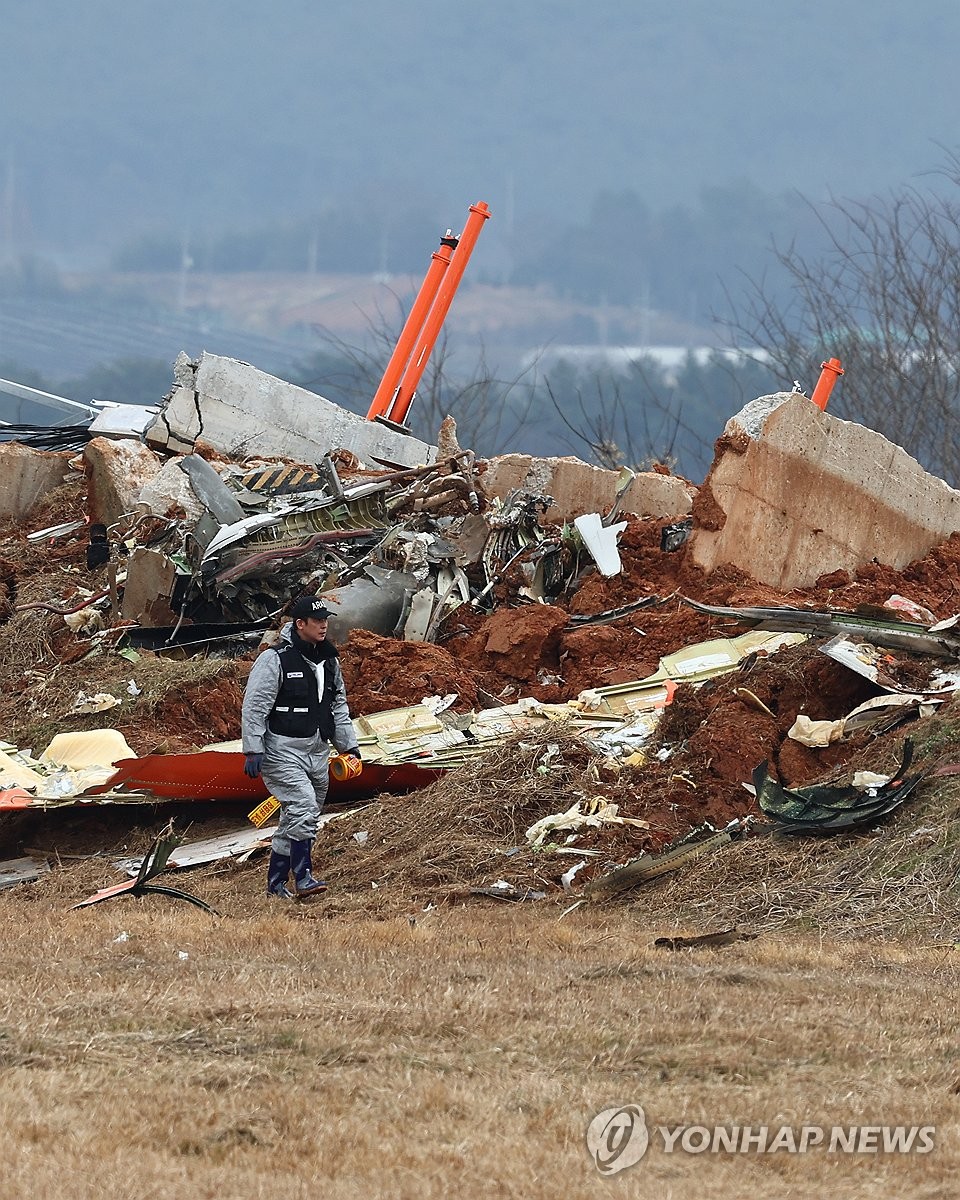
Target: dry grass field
x=149 y=1049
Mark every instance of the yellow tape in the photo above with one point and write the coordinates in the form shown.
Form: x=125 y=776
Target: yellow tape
x=345 y=766
x=264 y=811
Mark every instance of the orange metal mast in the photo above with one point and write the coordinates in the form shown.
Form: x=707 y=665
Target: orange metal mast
x=830 y=372
x=414 y=323
x=404 y=394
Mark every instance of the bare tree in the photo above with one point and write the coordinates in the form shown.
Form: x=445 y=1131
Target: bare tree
x=652 y=415
x=884 y=298
x=613 y=430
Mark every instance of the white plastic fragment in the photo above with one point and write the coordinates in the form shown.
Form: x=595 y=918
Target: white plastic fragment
x=815 y=733
x=99 y=702
x=568 y=876
x=864 y=781
x=601 y=541
x=87 y=620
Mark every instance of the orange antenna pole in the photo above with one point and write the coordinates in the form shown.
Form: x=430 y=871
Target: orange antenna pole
x=830 y=372
x=387 y=390
x=435 y=318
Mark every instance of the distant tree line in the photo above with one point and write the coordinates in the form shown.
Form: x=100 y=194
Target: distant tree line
x=877 y=284
x=683 y=260
x=680 y=260
x=883 y=296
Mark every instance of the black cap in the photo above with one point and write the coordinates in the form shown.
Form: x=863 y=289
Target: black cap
x=309 y=606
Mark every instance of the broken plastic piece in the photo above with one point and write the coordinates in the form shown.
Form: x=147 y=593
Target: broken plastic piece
x=264 y=811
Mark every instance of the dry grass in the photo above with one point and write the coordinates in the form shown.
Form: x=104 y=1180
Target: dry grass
x=900 y=880
x=466 y=828
x=181 y=704
x=362 y=1046
x=289 y=1053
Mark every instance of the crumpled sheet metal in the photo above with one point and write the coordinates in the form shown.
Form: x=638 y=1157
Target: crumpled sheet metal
x=693 y=664
x=219 y=775
x=886 y=711
x=685 y=850
x=16 y=799
x=71 y=765
x=901 y=635
x=153 y=864
x=832 y=808
x=873 y=663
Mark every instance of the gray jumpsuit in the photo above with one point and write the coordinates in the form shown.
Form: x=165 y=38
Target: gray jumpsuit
x=294 y=769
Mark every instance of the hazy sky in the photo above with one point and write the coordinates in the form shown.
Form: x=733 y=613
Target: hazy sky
x=119 y=115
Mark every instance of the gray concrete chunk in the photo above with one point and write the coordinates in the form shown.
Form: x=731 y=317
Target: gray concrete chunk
x=811 y=494
x=27 y=475
x=241 y=411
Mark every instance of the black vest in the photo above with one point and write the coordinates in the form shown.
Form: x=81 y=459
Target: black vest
x=298 y=710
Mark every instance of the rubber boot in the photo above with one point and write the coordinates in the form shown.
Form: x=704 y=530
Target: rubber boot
x=303 y=879
x=277 y=874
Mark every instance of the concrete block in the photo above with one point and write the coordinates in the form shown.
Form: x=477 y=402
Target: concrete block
x=116 y=473
x=808 y=494
x=654 y=495
x=241 y=411
x=169 y=491
x=146 y=595
x=27 y=475
x=578 y=487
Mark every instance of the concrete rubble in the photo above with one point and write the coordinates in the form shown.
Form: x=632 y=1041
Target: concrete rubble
x=474 y=600
x=795 y=493
x=239 y=410
x=26 y=476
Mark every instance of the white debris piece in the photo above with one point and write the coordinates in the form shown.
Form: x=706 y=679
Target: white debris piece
x=601 y=541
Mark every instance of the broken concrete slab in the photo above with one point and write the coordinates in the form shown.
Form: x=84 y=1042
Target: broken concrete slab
x=811 y=494
x=151 y=578
x=27 y=475
x=241 y=410
x=577 y=487
x=117 y=471
x=170 y=493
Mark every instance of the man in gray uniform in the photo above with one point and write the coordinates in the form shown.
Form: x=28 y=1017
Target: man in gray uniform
x=294 y=708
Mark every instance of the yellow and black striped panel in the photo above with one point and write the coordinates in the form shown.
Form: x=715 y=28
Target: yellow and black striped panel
x=282 y=479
